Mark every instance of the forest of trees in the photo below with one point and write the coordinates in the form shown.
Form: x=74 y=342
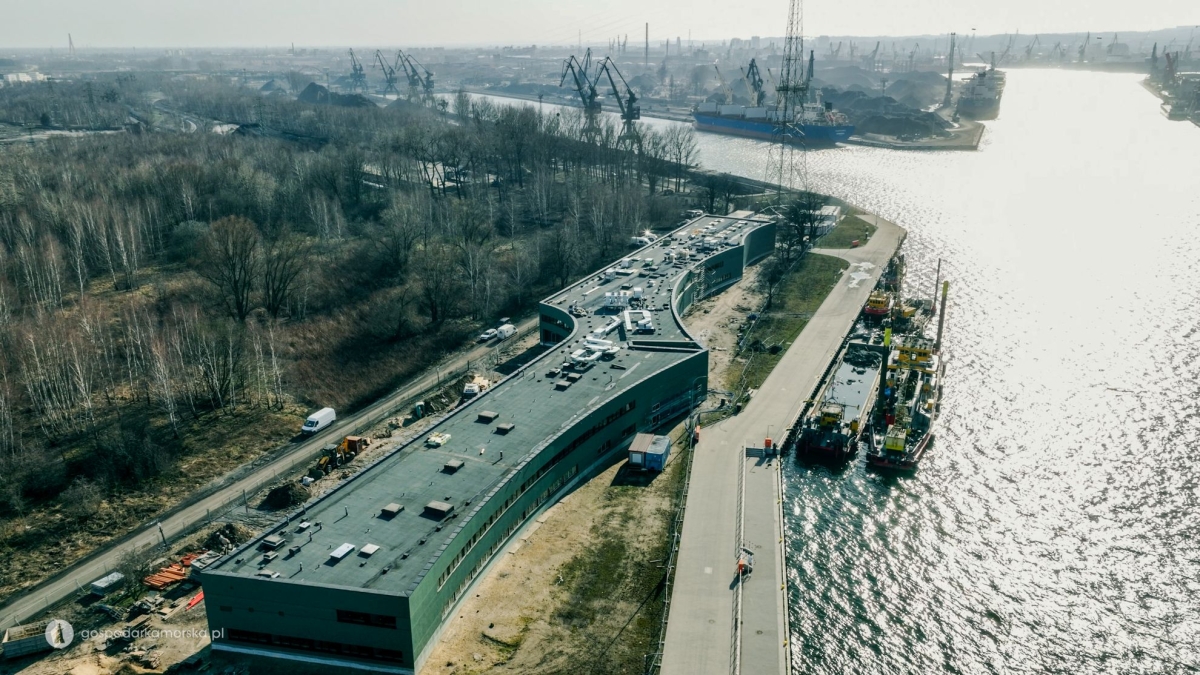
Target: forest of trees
x=154 y=278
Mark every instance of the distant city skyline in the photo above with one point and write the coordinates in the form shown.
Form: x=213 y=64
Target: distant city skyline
x=257 y=23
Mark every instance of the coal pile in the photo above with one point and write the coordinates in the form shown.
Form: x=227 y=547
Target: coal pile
x=885 y=115
x=318 y=95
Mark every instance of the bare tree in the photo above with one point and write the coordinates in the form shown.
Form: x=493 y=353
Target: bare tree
x=230 y=261
x=284 y=257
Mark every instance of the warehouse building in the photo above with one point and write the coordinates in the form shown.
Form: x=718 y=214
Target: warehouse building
x=364 y=576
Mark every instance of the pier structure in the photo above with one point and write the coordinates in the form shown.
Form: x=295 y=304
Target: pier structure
x=723 y=620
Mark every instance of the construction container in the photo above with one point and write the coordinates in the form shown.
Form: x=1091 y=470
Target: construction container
x=22 y=640
x=649 y=452
x=104 y=585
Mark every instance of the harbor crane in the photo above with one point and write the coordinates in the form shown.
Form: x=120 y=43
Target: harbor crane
x=754 y=84
x=424 y=77
x=358 y=77
x=410 y=74
x=724 y=86
x=1083 y=47
x=1029 y=49
x=389 y=74
x=869 y=62
x=631 y=112
x=1008 y=48
x=586 y=88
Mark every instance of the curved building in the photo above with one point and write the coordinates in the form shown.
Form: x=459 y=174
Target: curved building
x=364 y=576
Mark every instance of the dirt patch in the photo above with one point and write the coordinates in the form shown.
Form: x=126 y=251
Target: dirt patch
x=580 y=591
x=715 y=322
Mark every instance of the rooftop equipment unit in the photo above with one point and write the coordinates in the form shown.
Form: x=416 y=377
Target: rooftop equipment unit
x=341 y=552
x=391 y=510
x=438 y=509
x=452 y=466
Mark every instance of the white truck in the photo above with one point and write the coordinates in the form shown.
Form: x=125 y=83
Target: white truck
x=318 y=421
x=506 y=331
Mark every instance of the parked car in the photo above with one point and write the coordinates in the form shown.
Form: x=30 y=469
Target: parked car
x=487 y=335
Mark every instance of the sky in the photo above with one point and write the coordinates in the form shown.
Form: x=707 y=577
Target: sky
x=256 y=23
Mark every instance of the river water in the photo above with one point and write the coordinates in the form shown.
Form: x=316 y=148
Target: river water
x=1055 y=525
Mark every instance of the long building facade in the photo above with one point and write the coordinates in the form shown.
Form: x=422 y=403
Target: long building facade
x=365 y=576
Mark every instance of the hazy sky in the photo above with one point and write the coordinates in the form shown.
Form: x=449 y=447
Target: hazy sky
x=195 y=23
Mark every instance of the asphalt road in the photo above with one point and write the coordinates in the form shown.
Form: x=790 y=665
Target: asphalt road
x=183 y=519
x=718 y=625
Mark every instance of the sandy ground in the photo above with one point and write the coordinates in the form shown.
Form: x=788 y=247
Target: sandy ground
x=715 y=321
x=526 y=616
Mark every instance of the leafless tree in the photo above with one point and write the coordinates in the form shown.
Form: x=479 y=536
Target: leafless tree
x=230 y=261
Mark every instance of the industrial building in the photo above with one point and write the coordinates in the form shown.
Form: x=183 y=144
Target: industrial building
x=364 y=576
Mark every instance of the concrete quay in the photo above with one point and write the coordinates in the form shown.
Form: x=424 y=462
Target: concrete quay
x=718 y=623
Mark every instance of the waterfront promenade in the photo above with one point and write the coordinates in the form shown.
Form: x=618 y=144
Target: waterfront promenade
x=718 y=625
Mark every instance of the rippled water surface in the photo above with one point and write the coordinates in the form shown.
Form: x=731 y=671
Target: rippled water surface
x=1054 y=527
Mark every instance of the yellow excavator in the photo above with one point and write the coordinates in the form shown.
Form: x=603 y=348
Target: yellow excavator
x=336 y=455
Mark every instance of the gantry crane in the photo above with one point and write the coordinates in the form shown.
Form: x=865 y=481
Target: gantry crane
x=389 y=74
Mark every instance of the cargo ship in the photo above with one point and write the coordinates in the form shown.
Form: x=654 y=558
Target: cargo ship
x=909 y=402
x=980 y=97
x=815 y=124
x=843 y=411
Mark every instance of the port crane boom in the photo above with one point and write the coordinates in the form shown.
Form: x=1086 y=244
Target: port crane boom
x=724 y=86
x=358 y=78
x=389 y=74
x=630 y=110
x=585 y=88
x=754 y=84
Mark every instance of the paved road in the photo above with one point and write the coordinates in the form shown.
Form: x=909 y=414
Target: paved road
x=184 y=519
x=717 y=625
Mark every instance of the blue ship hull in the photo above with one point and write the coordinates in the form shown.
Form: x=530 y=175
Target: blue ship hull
x=809 y=134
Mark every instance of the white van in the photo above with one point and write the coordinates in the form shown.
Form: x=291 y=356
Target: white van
x=318 y=421
x=506 y=331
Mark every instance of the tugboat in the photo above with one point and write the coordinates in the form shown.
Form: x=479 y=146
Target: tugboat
x=833 y=431
x=910 y=401
x=879 y=304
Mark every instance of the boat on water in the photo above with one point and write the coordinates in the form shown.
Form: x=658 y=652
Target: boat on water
x=814 y=124
x=908 y=405
x=834 y=429
x=980 y=97
x=879 y=304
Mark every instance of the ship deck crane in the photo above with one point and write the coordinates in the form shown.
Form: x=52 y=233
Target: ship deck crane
x=389 y=74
